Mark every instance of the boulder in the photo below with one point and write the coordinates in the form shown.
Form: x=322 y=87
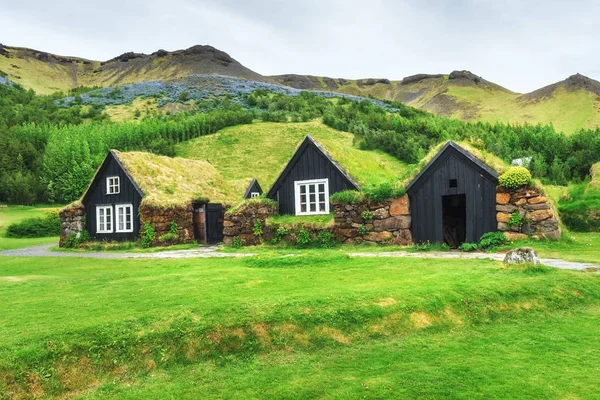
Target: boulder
x=522 y=255
x=380 y=213
x=540 y=215
x=549 y=235
x=399 y=206
x=392 y=223
x=502 y=198
x=378 y=236
x=537 y=200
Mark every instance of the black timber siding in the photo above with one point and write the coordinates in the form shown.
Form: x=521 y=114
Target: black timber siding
x=96 y=196
x=310 y=164
x=426 y=197
x=253 y=187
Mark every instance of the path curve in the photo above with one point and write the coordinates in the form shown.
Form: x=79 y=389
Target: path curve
x=212 y=252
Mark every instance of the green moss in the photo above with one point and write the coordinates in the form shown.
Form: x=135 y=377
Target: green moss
x=296 y=221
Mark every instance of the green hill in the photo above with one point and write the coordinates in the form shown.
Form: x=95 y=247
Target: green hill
x=261 y=150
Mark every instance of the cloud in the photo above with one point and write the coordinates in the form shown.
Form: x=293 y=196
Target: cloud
x=522 y=45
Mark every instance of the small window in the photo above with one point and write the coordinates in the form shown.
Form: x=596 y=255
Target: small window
x=453 y=183
x=312 y=197
x=113 y=185
x=104 y=220
x=124 y=218
x=254 y=194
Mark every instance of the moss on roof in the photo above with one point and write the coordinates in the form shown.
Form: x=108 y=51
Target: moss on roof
x=169 y=181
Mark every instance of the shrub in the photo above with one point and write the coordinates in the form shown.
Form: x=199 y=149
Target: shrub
x=258 y=228
x=326 y=239
x=147 y=234
x=423 y=246
x=48 y=225
x=515 y=220
x=363 y=230
x=173 y=228
x=366 y=215
x=491 y=240
x=468 y=247
x=515 y=177
x=75 y=240
x=383 y=191
x=168 y=238
x=303 y=238
x=347 y=197
x=279 y=234
x=236 y=243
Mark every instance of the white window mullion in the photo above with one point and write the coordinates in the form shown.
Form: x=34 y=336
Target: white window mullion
x=124 y=218
x=104 y=219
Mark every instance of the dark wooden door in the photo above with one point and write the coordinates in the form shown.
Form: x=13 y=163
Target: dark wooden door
x=214 y=223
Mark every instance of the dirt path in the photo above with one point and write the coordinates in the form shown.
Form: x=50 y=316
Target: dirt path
x=212 y=251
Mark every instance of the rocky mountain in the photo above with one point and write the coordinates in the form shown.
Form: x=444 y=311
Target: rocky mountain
x=569 y=105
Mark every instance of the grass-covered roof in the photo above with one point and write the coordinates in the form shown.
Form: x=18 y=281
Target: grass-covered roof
x=263 y=149
x=171 y=181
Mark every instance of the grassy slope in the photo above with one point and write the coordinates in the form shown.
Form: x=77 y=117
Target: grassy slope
x=262 y=150
x=386 y=324
x=13 y=214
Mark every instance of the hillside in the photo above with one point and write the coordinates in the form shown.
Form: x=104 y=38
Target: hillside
x=48 y=73
x=251 y=151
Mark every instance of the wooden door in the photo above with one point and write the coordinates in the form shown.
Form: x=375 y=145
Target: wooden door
x=214 y=223
x=200 y=224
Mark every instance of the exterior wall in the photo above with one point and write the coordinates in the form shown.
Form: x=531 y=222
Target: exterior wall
x=390 y=224
x=311 y=164
x=426 y=199
x=96 y=196
x=160 y=220
x=72 y=221
x=533 y=206
x=242 y=223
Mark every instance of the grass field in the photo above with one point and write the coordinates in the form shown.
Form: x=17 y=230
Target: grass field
x=13 y=214
x=261 y=327
x=233 y=149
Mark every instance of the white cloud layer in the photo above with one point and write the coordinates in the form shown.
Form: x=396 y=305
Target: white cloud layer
x=521 y=45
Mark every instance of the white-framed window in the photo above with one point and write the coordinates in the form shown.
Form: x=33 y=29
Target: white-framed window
x=113 y=185
x=312 y=197
x=104 y=219
x=254 y=194
x=124 y=220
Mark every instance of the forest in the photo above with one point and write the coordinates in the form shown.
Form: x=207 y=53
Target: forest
x=48 y=153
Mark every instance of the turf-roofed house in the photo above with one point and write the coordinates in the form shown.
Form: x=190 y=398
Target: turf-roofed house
x=181 y=200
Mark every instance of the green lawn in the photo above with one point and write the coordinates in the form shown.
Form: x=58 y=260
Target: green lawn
x=11 y=214
x=261 y=327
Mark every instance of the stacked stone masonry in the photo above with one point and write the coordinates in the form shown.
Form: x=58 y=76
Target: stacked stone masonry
x=160 y=220
x=72 y=222
x=534 y=208
x=242 y=223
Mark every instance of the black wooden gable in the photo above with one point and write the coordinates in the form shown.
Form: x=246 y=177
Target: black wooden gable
x=451 y=149
x=111 y=158
x=309 y=144
x=253 y=187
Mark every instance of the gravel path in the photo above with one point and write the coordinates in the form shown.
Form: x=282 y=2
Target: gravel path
x=212 y=251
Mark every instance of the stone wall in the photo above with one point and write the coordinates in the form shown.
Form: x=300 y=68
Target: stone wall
x=534 y=208
x=160 y=219
x=72 y=221
x=390 y=224
x=241 y=222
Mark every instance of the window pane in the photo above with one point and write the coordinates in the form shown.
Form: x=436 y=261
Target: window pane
x=321 y=206
x=313 y=207
x=302 y=189
x=311 y=188
x=302 y=198
x=322 y=197
x=313 y=198
x=322 y=187
x=303 y=207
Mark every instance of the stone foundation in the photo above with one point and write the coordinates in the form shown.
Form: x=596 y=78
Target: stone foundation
x=390 y=222
x=160 y=220
x=241 y=223
x=72 y=222
x=534 y=208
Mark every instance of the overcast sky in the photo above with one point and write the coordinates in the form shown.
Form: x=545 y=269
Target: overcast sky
x=519 y=44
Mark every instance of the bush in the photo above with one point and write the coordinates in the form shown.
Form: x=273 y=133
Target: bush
x=366 y=215
x=515 y=177
x=168 y=238
x=326 y=240
x=48 y=225
x=347 y=197
x=363 y=230
x=76 y=239
x=303 y=239
x=236 y=243
x=492 y=240
x=515 y=220
x=468 y=247
x=383 y=191
x=147 y=234
x=279 y=234
x=258 y=228
x=173 y=228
